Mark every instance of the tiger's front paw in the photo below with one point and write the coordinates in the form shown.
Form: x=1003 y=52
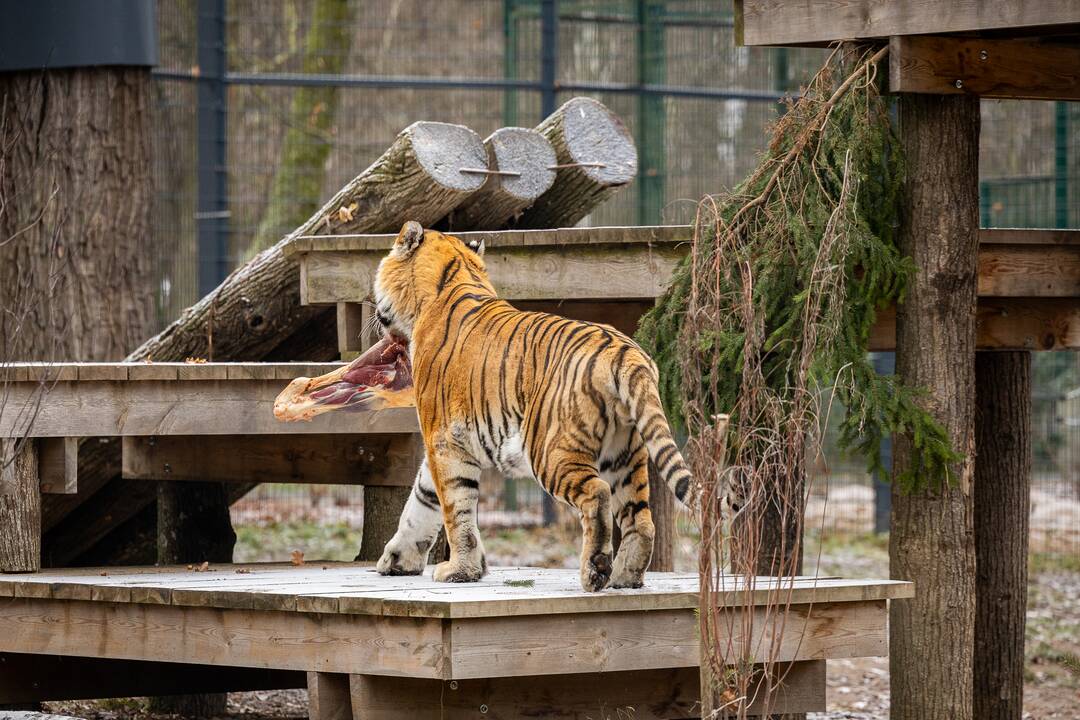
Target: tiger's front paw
x=595 y=572
x=401 y=558
x=450 y=571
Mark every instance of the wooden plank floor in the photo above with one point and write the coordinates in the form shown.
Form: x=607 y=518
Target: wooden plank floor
x=356 y=589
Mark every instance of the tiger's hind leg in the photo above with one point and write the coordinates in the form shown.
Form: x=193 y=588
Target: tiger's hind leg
x=407 y=551
x=574 y=479
x=630 y=486
x=458 y=483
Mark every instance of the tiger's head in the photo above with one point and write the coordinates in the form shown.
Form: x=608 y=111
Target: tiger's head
x=421 y=266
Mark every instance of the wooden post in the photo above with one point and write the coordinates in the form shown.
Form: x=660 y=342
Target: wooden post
x=662 y=505
x=329 y=696
x=1002 y=495
x=20 y=508
x=193 y=527
x=932 y=541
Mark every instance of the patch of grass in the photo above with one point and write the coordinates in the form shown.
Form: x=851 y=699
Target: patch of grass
x=519 y=583
x=274 y=542
x=1041 y=562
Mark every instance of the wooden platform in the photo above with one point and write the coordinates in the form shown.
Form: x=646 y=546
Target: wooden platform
x=1029 y=280
x=399 y=647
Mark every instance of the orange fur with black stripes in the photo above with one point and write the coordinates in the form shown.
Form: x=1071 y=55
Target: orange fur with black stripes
x=572 y=404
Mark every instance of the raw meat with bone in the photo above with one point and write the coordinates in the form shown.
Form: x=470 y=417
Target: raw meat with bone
x=380 y=378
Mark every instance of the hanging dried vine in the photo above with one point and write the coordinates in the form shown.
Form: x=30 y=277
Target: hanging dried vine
x=774 y=304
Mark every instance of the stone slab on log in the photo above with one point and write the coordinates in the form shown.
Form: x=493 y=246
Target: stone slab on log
x=601 y=158
x=503 y=198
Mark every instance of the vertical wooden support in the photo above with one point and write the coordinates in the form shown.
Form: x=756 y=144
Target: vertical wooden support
x=383 y=505
x=58 y=465
x=20 y=507
x=1002 y=496
x=354 y=329
x=329 y=696
x=932 y=542
x=662 y=505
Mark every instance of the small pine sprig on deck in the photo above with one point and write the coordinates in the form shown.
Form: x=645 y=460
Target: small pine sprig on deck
x=779 y=295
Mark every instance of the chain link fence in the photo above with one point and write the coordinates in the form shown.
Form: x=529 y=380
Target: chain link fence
x=250 y=89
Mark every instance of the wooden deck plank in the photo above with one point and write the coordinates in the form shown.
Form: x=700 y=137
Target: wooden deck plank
x=357 y=589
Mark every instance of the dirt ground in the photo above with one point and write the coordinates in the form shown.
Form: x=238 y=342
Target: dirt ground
x=857 y=689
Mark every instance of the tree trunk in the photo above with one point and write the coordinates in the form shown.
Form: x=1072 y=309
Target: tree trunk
x=662 y=505
x=582 y=132
x=503 y=198
x=932 y=539
x=246 y=316
x=298 y=180
x=382 y=509
x=20 y=508
x=76 y=188
x=193 y=527
x=1002 y=493
x=76 y=173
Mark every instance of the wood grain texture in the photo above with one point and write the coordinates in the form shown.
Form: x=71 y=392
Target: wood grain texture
x=355 y=588
x=642 y=695
x=20 y=508
x=328 y=696
x=373 y=459
x=181 y=407
x=58 y=465
x=33 y=678
x=932 y=541
x=612 y=642
x=1002 y=518
x=1018 y=271
x=1006 y=324
x=820 y=22
x=240 y=638
x=989 y=68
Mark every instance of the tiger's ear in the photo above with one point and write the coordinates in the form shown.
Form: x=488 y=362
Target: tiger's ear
x=410 y=237
x=476 y=245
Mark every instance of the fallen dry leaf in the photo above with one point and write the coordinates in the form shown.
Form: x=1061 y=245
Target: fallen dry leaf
x=297 y=557
x=195 y=361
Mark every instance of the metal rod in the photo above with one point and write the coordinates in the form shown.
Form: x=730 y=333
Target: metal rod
x=482 y=171
x=577 y=164
x=212 y=227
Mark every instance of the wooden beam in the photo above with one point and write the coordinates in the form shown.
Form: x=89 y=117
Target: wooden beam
x=58 y=465
x=1022 y=69
x=1007 y=324
x=821 y=22
x=181 y=407
x=238 y=638
x=641 y=694
x=33 y=678
x=354 y=329
x=333 y=459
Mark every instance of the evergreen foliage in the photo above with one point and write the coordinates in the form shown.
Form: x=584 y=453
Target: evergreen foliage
x=781 y=290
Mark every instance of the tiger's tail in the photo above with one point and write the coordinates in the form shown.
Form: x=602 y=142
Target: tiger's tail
x=642 y=399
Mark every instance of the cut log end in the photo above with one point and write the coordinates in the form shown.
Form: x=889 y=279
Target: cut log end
x=442 y=150
x=523 y=151
x=594 y=134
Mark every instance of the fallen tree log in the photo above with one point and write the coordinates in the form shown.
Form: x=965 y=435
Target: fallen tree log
x=503 y=197
x=596 y=155
x=246 y=316
x=256 y=312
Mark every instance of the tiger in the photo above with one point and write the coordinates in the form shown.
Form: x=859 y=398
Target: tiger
x=571 y=404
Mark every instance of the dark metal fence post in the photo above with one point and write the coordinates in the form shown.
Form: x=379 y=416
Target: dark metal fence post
x=652 y=70
x=1061 y=165
x=884 y=364
x=212 y=213
x=549 y=67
